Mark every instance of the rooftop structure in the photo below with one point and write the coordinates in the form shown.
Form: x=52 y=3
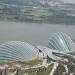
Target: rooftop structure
x=60 y=48
x=17 y=51
x=61 y=42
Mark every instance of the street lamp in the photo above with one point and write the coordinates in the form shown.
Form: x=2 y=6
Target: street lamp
x=6 y=66
x=18 y=66
x=1 y=68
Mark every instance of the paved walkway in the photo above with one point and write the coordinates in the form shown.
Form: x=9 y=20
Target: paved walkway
x=14 y=73
x=54 y=68
x=66 y=68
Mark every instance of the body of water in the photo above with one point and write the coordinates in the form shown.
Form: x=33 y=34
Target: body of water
x=35 y=34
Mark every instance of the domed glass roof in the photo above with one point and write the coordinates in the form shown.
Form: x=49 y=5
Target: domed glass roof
x=17 y=51
x=60 y=41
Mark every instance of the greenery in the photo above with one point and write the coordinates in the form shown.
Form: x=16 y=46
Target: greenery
x=40 y=70
x=60 y=69
x=32 y=62
x=71 y=68
x=37 y=15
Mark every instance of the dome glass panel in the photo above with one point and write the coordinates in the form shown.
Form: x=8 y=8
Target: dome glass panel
x=60 y=41
x=17 y=51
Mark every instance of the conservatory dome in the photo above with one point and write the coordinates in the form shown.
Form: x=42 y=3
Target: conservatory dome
x=60 y=41
x=17 y=51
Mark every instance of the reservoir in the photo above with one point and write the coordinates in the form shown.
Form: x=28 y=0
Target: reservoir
x=33 y=33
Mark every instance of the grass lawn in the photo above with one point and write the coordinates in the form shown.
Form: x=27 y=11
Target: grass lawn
x=32 y=62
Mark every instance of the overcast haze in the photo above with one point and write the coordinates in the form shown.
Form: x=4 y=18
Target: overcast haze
x=69 y=1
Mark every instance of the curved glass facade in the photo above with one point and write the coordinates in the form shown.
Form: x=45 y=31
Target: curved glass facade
x=17 y=51
x=60 y=41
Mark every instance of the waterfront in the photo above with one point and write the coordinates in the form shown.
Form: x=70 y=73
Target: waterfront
x=33 y=33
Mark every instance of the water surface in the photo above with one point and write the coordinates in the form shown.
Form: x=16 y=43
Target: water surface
x=35 y=34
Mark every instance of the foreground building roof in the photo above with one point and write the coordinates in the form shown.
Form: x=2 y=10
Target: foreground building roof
x=17 y=51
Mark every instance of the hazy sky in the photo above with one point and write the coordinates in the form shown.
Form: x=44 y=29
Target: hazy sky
x=69 y=1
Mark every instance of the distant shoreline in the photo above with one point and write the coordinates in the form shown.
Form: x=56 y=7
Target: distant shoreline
x=37 y=22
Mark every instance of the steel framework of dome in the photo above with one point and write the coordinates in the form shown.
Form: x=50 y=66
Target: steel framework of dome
x=17 y=51
x=61 y=42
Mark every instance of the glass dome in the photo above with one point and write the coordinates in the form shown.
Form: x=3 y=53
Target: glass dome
x=60 y=41
x=17 y=51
